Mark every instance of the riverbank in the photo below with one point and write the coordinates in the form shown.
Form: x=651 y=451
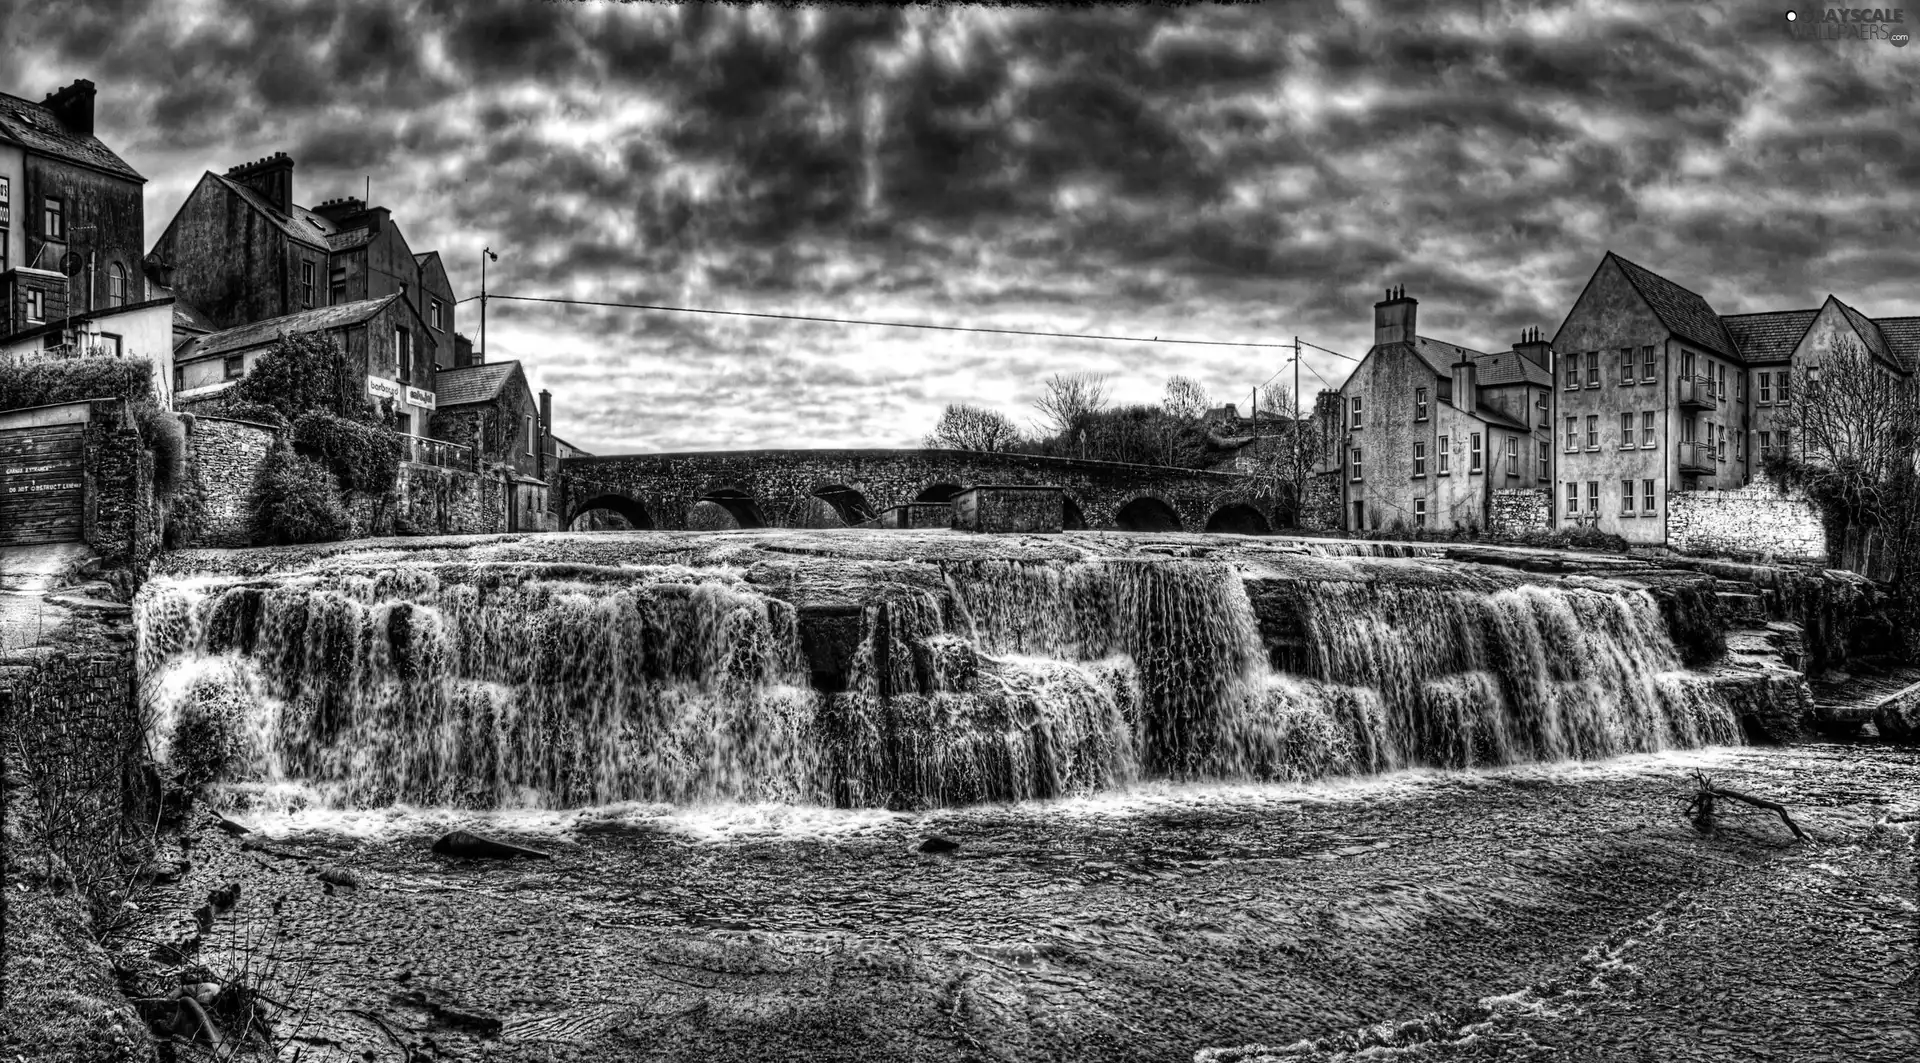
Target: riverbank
x=1140 y=926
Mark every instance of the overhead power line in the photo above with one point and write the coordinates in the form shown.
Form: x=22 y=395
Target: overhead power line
x=887 y=324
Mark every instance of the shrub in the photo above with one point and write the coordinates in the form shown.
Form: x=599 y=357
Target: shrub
x=166 y=436
x=302 y=372
x=43 y=383
x=363 y=457
x=209 y=738
x=295 y=500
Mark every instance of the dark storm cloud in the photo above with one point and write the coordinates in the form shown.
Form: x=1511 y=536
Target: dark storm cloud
x=1236 y=171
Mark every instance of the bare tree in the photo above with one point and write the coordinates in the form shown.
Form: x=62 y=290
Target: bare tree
x=964 y=427
x=1276 y=401
x=1854 y=424
x=1071 y=399
x=1186 y=398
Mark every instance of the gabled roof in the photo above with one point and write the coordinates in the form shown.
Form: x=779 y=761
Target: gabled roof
x=1903 y=339
x=188 y=318
x=472 y=383
x=1509 y=367
x=1440 y=355
x=1684 y=313
x=421 y=258
x=298 y=225
x=1769 y=336
x=1869 y=332
x=1495 y=417
x=260 y=333
x=350 y=239
x=37 y=129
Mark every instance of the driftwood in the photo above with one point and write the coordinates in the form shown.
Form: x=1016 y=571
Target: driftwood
x=1700 y=809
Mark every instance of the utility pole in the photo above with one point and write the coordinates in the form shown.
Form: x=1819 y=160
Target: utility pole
x=486 y=253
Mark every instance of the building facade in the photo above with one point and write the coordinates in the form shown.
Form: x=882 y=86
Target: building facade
x=491 y=408
x=1432 y=429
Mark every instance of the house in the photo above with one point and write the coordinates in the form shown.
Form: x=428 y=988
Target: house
x=206 y=364
x=1431 y=429
x=491 y=408
x=1658 y=393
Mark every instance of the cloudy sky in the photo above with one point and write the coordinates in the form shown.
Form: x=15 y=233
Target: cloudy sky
x=1246 y=172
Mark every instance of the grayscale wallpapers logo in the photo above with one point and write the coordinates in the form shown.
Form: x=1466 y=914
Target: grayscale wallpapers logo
x=1850 y=23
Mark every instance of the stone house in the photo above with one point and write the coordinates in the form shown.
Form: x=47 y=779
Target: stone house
x=491 y=409
x=206 y=364
x=1431 y=429
x=1658 y=394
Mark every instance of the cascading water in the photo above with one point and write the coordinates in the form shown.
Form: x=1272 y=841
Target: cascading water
x=504 y=685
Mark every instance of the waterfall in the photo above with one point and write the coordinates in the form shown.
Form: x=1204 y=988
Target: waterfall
x=507 y=685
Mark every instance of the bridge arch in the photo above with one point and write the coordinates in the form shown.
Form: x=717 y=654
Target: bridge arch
x=1147 y=513
x=1239 y=518
x=937 y=492
x=628 y=509
x=738 y=504
x=1073 y=518
x=851 y=506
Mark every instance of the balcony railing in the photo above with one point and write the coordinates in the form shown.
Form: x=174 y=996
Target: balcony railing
x=1698 y=393
x=438 y=452
x=1697 y=457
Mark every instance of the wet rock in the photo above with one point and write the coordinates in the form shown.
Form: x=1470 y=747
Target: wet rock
x=454 y=1018
x=231 y=826
x=937 y=844
x=471 y=846
x=203 y=917
x=1898 y=717
x=339 y=876
x=223 y=899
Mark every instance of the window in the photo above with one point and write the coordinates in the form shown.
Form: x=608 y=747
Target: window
x=53 y=220
x=1593 y=496
x=36 y=305
x=1720 y=450
x=1593 y=369
x=1766 y=389
x=1626 y=366
x=1686 y=365
x=337 y=285
x=1573 y=498
x=1646 y=364
x=1544 y=422
x=1593 y=431
x=1546 y=471
x=3 y=247
x=1626 y=498
x=1474 y=453
x=435 y=320
x=1419 y=402
x=1573 y=434
x=1419 y=459
x=1445 y=455
x=1357 y=419
x=1513 y=456
x=1573 y=372
x=1783 y=441
x=234 y=367
x=1781 y=379
x=1356 y=462
x=1766 y=443
x=1446 y=389
x=1646 y=495
x=306 y=284
x=531 y=444
x=1626 y=431
x=403 y=353
x=6 y=202
x=179 y=378
x=1646 y=429
x=1419 y=512
x=109 y=344
x=116 y=285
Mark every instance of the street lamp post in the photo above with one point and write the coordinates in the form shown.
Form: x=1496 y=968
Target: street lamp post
x=486 y=253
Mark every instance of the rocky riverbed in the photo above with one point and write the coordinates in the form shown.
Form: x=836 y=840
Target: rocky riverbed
x=1562 y=911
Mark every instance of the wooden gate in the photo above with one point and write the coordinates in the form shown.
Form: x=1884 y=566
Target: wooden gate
x=42 y=479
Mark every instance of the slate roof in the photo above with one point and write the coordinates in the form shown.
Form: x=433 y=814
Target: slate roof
x=1869 y=331
x=1903 y=339
x=188 y=317
x=1440 y=355
x=1492 y=416
x=1684 y=313
x=350 y=239
x=472 y=383
x=259 y=333
x=1769 y=336
x=35 y=128
x=298 y=225
x=1509 y=367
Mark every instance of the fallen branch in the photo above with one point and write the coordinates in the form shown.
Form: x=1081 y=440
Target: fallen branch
x=1701 y=808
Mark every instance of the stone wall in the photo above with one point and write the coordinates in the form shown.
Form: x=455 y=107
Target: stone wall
x=120 y=521
x=438 y=501
x=226 y=456
x=1321 y=512
x=1757 y=522
x=1519 y=511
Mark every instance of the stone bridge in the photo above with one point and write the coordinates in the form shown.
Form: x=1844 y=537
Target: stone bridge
x=827 y=488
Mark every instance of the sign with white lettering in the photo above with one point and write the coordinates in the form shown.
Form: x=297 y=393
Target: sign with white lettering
x=420 y=397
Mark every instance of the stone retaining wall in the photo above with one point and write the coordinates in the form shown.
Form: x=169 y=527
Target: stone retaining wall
x=1519 y=511
x=441 y=501
x=1758 y=522
x=1321 y=511
x=226 y=455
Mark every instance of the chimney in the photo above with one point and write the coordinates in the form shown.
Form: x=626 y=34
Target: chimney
x=1533 y=347
x=272 y=177
x=1393 y=318
x=159 y=271
x=339 y=211
x=378 y=219
x=546 y=430
x=73 y=105
x=1466 y=385
x=462 y=351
